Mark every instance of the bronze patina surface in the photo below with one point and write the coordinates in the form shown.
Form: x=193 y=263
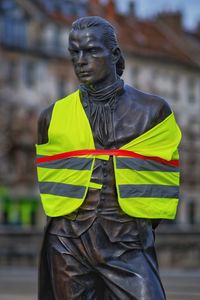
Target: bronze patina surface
x=99 y=252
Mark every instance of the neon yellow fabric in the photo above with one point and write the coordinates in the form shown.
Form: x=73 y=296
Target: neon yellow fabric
x=64 y=135
x=160 y=141
x=95 y=185
x=70 y=130
x=60 y=175
x=143 y=177
x=152 y=208
x=55 y=206
x=68 y=120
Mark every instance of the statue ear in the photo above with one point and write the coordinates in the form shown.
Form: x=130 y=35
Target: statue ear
x=116 y=53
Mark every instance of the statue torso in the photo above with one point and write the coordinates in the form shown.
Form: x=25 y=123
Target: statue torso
x=130 y=115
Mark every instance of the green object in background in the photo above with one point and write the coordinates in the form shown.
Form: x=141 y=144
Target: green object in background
x=13 y=212
x=10 y=211
x=17 y=211
x=28 y=209
x=9 y=208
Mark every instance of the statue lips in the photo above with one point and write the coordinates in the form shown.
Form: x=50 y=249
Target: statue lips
x=83 y=73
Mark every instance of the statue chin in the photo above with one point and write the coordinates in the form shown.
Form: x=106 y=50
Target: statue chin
x=85 y=78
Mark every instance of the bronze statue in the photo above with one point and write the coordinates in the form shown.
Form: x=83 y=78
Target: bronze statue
x=98 y=251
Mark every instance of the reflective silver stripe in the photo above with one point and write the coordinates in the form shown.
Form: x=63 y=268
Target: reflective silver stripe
x=74 y=163
x=62 y=189
x=143 y=165
x=148 y=191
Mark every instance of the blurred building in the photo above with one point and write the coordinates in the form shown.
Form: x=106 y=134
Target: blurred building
x=161 y=58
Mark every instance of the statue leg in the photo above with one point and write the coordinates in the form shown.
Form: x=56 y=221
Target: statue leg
x=131 y=276
x=70 y=276
x=92 y=267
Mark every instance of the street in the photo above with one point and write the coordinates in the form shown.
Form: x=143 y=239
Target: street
x=21 y=284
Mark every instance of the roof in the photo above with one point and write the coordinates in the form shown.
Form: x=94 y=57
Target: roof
x=145 y=38
x=148 y=38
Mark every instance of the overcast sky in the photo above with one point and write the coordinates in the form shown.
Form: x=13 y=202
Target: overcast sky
x=147 y=8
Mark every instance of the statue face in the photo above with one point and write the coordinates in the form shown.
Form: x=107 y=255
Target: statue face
x=91 y=59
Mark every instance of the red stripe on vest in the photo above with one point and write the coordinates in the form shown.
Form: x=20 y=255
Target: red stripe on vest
x=114 y=152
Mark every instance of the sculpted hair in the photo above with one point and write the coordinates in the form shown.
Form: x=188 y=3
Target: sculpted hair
x=109 y=35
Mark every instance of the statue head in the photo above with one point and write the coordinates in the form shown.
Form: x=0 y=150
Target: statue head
x=94 y=50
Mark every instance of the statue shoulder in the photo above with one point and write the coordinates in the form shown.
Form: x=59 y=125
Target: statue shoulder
x=45 y=119
x=155 y=105
x=43 y=124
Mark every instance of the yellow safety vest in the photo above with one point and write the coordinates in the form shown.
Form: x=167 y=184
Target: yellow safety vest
x=146 y=169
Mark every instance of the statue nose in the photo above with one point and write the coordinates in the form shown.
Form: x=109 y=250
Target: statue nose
x=81 y=58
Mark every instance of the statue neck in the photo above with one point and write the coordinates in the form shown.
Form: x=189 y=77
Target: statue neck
x=105 y=94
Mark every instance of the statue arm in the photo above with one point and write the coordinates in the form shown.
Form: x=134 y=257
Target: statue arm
x=43 y=125
x=162 y=112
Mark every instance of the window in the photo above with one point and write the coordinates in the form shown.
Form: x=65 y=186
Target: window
x=191 y=90
x=135 y=76
x=191 y=212
x=7 y=7
x=29 y=73
x=175 y=87
x=57 y=38
x=61 y=87
x=49 y=5
x=13 y=24
x=66 y=7
x=12 y=73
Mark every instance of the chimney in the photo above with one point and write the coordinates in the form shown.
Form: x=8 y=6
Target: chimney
x=172 y=19
x=197 y=31
x=131 y=10
x=95 y=8
x=110 y=10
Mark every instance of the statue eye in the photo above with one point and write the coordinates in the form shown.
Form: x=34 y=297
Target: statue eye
x=93 y=50
x=73 y=52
